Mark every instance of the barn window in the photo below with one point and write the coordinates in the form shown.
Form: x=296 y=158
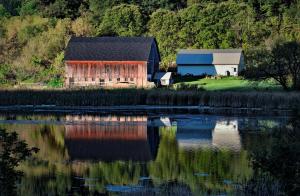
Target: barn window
x=93 y=79
x=131 y=79
x=101 y=81
x=118 y=79
x=234 y=69
x=110 y=79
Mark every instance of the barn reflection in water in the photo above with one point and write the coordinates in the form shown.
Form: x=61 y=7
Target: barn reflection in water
x=111 y=138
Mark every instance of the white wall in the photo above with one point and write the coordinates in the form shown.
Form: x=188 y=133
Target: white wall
x=209 y=70
x=226 y=135
x=222 y=70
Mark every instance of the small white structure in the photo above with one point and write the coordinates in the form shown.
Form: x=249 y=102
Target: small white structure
x=225 y=62
x=163 y=78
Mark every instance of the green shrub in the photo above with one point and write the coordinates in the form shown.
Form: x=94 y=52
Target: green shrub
x=184 y=86
x=7 y=74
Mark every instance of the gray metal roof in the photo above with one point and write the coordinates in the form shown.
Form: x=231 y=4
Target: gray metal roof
x=208 y=51
x=110 y=48
x=209 y=57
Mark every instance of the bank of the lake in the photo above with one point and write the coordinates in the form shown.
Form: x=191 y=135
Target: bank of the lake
x=155 y=97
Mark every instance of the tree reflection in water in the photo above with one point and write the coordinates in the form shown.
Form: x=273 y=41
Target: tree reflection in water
x=12 y=152
x=226 y=158
x=276 y=163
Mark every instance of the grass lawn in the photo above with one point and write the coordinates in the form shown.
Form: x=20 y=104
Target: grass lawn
x=227 y=84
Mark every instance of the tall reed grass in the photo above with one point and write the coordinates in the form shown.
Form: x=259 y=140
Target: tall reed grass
x=269 y=100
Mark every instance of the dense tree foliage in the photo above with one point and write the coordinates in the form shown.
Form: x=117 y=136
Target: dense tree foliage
x=122 y=20
x=282 y=63
x=34 y=33
x=12 y=152
x=279 y=158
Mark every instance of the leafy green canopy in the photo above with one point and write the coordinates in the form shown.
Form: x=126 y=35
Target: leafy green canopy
x=122 y=20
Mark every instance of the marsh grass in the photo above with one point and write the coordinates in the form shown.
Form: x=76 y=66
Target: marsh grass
x=166 y=97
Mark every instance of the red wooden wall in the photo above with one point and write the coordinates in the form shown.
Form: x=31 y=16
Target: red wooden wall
x=106 y=73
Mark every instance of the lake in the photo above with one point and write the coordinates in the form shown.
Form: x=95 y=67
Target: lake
x=156 y=154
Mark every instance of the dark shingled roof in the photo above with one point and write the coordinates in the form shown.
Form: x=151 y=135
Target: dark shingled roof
x=109 y=48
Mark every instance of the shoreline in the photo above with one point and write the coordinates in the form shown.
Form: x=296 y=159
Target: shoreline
x=143 y=100
x=146 y=109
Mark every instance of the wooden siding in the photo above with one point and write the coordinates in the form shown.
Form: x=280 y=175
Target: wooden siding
x=106 y=73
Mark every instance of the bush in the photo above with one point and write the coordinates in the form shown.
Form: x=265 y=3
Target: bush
x=183 y=86
x=7 y=74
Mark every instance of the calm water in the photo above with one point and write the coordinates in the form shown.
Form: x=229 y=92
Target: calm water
x=154 y=154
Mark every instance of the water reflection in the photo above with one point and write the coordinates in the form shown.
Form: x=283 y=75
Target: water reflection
x=12 y=152
x=116 y=138
x=86 y=154
x=209 y=133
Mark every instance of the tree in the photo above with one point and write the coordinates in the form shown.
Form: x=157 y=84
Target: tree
x=83 y=27
x=287 y=56
x=62 y=8
x=100 y=7
x=29 y=7
x=11 y=6
x=58 y=9
x=12 y=152
x=149 y=6
x=38 y=55
x=7 y=74
x=122 y=20
x=189 y=30
x=214 y=26
x=3 y=12
x=248 y=31
x=280 y=63
x=164 y=25
x=280 y=159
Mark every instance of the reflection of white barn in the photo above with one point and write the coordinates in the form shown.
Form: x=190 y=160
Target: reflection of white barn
x=222 y=134
x=226 y=135
x=195 y=133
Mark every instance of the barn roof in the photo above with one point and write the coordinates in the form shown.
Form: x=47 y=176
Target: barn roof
x=209 y=57
x=110 y=48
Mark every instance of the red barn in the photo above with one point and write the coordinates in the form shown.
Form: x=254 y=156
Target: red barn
x=111 y=61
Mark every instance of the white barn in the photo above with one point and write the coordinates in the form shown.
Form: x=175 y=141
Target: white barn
x=225 y=62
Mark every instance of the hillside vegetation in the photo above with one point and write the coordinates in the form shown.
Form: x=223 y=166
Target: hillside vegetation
x=34 y=33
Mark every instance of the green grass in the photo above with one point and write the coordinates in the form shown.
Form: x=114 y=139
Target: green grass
x=227 y=84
